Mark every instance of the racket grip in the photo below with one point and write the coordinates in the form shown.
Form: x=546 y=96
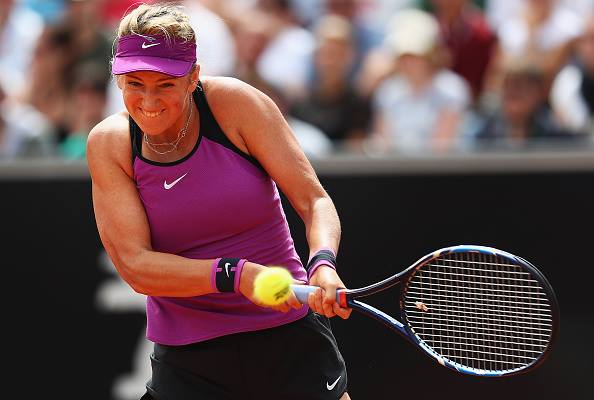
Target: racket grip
x=303 y=291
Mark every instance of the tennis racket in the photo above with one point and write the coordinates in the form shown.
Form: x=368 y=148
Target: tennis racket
x=474 y=309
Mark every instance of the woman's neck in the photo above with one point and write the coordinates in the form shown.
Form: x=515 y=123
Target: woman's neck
x=169 y=148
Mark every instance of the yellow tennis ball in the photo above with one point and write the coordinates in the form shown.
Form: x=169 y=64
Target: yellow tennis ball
x=272 y=286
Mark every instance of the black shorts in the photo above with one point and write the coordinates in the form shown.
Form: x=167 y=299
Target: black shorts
x=296 y=361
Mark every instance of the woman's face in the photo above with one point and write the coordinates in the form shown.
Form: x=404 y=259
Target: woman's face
x=157 y=101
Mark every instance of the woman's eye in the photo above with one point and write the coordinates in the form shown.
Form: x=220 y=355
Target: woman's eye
x=167 y=85
x=135 y=84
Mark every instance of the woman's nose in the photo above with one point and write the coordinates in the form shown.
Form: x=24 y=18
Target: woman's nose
x=150 y=101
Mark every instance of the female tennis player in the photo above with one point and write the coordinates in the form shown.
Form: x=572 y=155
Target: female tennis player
x=186 y=204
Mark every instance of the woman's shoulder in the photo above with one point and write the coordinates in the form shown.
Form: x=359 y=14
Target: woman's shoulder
x=218 y=88
x=232 y=97
x=110 y=138
x=113 y=127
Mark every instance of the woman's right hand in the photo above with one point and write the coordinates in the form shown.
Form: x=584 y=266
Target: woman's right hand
x=246 y=287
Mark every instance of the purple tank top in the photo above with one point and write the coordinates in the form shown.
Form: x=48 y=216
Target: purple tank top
x=215 y=202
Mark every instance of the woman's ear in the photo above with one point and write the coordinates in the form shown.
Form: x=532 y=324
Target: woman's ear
x=194 y=76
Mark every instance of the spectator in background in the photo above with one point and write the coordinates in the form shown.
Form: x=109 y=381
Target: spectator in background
x=379 y=11
x=421 y=105
x=376 y=63
x=216 y=52
x=23 y=131
x=252 y=29
x=524 y=119
x=307 y=11
x=580 y=7
x=365 y=35
x=543 y=33
x=86 y=105
x=92 y=45
x=332 y=103
x=113 y=10
x=498 y=11
x=572 y=95
x=20 y=29
x=285 y=60
x=313 y=142
x=64 y=52
x=90 y=42
x=468 y=37
x=48 y=82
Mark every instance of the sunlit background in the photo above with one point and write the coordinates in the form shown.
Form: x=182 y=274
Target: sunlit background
x=430 y=123
x=367 y=77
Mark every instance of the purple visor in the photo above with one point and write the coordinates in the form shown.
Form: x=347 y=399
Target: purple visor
x=157 y=53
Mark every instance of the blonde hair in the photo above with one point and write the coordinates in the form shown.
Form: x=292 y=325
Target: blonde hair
x=167 y=19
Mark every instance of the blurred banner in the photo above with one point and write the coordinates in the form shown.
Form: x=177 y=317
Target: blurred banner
x=75 y=330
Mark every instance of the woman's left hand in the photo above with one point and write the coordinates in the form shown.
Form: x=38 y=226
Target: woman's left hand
x=323 y=300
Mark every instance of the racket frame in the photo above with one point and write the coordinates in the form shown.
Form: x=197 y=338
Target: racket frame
x=535 y=273
x=348 y=298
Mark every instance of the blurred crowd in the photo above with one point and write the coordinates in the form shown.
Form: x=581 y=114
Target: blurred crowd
x=373 y=77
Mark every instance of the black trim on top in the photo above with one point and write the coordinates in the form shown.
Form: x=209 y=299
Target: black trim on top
x=214 y=131
x=137 y=136
x=209 y=127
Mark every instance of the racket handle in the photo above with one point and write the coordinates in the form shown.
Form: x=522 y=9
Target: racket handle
x=303 y=291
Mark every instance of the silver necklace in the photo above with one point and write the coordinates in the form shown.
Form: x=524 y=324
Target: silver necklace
x=180 y=136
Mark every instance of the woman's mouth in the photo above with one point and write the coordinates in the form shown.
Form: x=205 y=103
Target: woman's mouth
x=150 y=114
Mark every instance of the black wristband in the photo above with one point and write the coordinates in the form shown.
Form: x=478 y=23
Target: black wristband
x=322 y=257
x=224 y=274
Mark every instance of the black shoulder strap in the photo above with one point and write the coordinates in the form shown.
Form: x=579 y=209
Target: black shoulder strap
x=210 y=128
x=135 y=137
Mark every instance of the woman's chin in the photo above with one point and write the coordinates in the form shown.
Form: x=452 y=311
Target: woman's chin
x=150 y=128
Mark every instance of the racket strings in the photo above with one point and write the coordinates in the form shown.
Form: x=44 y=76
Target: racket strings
x=518 y=308
x=480 y=311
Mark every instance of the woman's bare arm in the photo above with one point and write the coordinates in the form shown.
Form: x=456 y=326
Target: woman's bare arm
x=123 y=225
x=264 y=134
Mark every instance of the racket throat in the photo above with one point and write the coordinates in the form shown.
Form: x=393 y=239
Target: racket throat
x=342 y=298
